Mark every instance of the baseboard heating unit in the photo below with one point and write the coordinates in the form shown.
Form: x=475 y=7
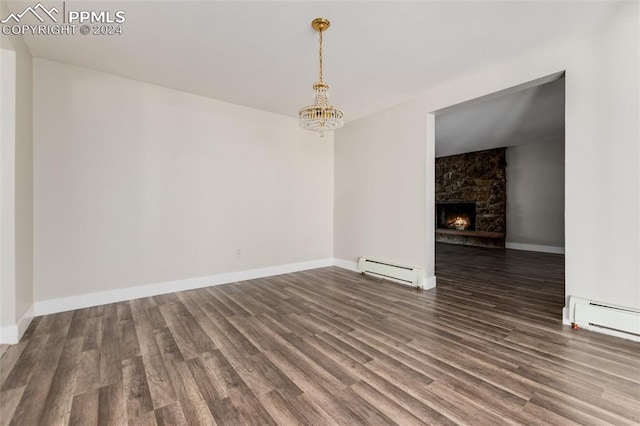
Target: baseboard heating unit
x=585 y=312
x=401 y=274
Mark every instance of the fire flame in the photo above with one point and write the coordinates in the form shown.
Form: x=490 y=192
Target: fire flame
x=459 y=223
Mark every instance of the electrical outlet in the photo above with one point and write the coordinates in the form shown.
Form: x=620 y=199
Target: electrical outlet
x=238 y=253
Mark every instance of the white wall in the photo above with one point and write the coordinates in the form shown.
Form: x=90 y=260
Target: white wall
x=535 y=195
x=16 y=225
x=602 y=163
x=137 y=184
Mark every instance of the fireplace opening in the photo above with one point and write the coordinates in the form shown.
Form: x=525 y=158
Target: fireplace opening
x=460 y=216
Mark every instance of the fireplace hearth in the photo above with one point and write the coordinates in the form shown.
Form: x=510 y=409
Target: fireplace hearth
x=460 y=216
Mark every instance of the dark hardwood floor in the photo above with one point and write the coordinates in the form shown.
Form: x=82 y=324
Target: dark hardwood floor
x=330 y=346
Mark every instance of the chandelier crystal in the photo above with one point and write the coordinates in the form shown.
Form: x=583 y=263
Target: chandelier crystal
x=320 y=116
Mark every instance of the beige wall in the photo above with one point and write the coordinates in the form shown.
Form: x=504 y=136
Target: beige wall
x=16 y=230
x=137 y=184
x=7 y=190
x=602 y=162
x=535 y=193
x=379 y=192
x=24 y=178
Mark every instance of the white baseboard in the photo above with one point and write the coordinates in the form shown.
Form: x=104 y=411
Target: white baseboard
x=12 y=334
x=9 y=335
x=535 y=247
x=70 y=303
x=430 y=283
x=346 y=264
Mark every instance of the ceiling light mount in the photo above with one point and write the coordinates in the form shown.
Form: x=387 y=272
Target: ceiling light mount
x=320 y=116
x=320 y=24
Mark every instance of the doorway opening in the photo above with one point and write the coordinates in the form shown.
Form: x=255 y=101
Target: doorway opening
x=499 y=195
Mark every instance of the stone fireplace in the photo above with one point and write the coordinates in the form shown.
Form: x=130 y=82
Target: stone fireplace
x=471 y=198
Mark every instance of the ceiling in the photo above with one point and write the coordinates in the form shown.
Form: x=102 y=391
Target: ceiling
x=264 y=54
x=531 y=115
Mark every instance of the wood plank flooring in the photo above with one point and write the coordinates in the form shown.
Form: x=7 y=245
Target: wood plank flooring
x=329 y=346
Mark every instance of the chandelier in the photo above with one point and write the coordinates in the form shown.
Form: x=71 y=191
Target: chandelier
x=320 y=116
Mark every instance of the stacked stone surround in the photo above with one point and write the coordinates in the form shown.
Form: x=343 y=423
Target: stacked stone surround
x=478 y=177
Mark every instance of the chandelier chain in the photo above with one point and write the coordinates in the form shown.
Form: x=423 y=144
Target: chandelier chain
x=320 y=54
